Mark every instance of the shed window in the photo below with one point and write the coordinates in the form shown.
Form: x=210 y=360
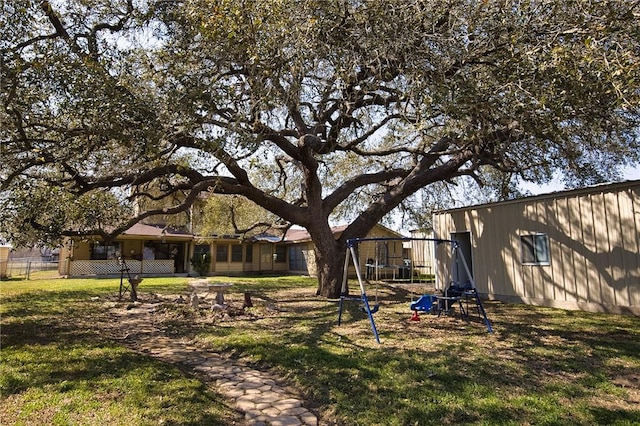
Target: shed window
x=248 y=257
x=535 y=249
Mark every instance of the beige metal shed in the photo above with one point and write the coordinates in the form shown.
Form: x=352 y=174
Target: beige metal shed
x=576 y=249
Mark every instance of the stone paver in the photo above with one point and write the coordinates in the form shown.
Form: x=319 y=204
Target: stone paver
x=255 y=393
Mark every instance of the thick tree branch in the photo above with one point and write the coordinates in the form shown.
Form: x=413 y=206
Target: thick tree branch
x=348 y=187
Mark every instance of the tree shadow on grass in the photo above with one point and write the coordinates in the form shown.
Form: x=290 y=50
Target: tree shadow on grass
x=46 y=317
x=441 y=371
x=57 y=350
x=88 y=374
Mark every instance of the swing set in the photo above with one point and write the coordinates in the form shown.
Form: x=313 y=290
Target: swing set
x=455 y=293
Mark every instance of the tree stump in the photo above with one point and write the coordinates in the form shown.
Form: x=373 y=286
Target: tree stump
x=134 y=288
x=247 y=300
x=194 y=301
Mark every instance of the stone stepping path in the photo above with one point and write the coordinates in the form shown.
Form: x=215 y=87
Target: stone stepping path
x=261 y=397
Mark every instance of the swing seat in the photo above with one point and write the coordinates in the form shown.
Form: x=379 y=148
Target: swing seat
x=373 y=308
x=424 y=303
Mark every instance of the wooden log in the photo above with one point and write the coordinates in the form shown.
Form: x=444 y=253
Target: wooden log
x=247 y=300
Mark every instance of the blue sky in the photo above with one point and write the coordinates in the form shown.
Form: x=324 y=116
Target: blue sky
x=629 y=173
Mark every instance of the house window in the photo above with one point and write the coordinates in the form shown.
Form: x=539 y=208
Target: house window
x=266 y=254
x=280 y=255
x=162 y=250
x=535 y=249
x=248 y=257
x=297 y=261
x=101 y=251
x=201 y=249
x=236 y=253
x=382 y=253
x=222 y=252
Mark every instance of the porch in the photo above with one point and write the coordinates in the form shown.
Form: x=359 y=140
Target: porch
x=113 y=267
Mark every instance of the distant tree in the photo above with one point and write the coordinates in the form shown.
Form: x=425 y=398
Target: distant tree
x=305 y=108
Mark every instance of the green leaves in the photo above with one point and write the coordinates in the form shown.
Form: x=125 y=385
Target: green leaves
x=390 y=96
x=33 y=213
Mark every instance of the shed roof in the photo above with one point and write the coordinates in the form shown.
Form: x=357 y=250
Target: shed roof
x=602 y=187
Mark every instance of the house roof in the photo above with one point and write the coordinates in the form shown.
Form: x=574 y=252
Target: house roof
x=144 y=230
x=293 y=235
x=298 y=235
x=266 y=238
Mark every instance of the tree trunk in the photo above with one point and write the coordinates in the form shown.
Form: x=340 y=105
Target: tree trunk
x=330 y=264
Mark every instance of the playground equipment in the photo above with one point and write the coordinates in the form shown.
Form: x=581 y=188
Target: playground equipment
x=459 y=292
x=454 y=294
x=425 y=303
x=351 y=252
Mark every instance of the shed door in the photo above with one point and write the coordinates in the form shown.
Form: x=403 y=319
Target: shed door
x=460 y=274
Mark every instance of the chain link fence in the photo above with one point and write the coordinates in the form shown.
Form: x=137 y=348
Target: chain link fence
x=29 y=269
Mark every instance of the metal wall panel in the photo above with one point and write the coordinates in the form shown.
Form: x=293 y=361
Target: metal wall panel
x=594 y=244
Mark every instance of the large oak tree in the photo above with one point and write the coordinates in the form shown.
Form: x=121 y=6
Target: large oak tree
x=305 y=108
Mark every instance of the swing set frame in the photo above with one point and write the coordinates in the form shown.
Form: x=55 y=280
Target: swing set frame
x=352 y=254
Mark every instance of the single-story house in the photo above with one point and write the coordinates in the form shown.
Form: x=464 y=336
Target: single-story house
x=4 y=258
x=575 y=249
x=157 y=250
x=147 y=249
x=422 y=251
x=232 y=255
x=387 y=255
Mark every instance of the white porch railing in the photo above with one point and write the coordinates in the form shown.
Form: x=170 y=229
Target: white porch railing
x=113 y=267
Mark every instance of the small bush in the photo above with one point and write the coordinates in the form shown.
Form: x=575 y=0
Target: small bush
x=201 y=263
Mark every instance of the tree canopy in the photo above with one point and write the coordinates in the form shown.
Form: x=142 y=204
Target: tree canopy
x=307 y=109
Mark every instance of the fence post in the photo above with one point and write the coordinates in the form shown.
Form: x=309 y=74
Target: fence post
x=28 y=269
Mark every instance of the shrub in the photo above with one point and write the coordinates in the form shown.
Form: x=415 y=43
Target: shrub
x=200 y=263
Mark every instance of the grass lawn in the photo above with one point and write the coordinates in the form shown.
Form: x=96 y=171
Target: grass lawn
x=59 y=367
x=541 y=366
